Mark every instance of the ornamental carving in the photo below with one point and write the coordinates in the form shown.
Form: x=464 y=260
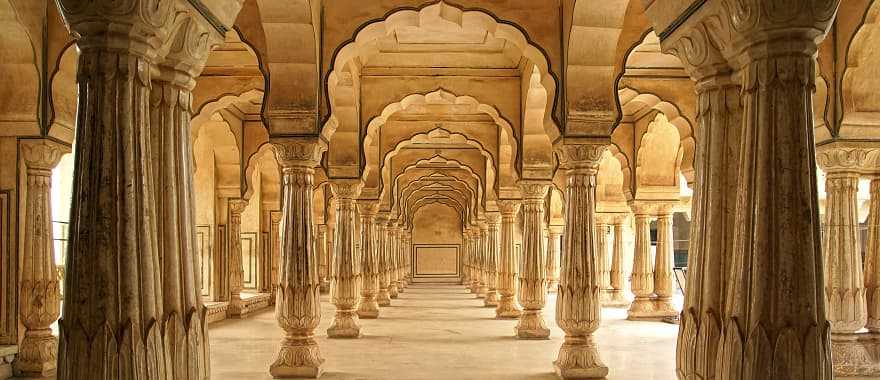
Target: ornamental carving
x=847 y=159
x=534 y=190
x=42 y=154
x=577 y=156
x=299 y=152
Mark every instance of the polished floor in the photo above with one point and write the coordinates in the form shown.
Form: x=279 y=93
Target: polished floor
x=439 y=331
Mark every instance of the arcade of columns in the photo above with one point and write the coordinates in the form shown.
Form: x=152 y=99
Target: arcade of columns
x=762 y=281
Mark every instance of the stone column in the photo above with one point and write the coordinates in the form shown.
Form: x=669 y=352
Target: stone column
x=321 y=245
x=391 y=254
x=383 y=297
x=123 y=315
x=369 y=307
x=493 y=221
x=663 y=263
x=775 y=319
x=616 y=295
x=508 y=264
x=578 y=310
x=483 y=253
x=398 y=253
x=872 y=260
x=465 y=260
x=554 y=245
x=533 y=265
x=603 y=272
x=39 y=291
x=407 y=255
x=474 y=253
x=345 y=286
x=236 y=307
x=643 y=272
x=845 y=286
x=275 y=235
x=298 y=304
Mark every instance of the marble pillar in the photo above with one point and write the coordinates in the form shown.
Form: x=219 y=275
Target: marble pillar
x=643 y=271
x=493 y=245
x=603 y=271
x=398 y=251
x=483 y=253
x=39 y=291
x=664 y=286
x=129 y=311
x=465 y=261
x=275 y=236
x=369 y=307
x=775 y=323
x=533 y=276
x=473 y=252
x=407 y=254
x=345 y=285
x=508 y=263
x=383 y=297
x=554 y=246
x=298 y=303
x=845 y=286
x=578 y=309
x=712 y=225
x=872 y=260
x=321 y=246
x=616 y=296
x=391 y=253
x=236 y=307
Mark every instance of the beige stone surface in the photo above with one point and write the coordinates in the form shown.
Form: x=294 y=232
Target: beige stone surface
x=441 y=332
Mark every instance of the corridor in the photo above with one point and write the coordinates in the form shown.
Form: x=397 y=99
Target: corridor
x=439 y=331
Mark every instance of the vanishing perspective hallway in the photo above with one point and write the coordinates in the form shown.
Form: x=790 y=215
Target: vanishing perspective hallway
x=439 y=331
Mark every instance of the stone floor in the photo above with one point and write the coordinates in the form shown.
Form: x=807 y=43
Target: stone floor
x=438 y=331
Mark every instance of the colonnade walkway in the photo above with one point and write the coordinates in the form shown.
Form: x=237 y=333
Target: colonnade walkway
x=440 y=331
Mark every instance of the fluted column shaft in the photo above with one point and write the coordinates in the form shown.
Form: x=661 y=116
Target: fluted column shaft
x=383 y=297
x=483 y=253
x=321 y=244
x=236 y=268
x=345 y=286
x=554 y=246
x=844 y=287
x=616 y=277
x=533 y=264
x=508 y=262
x=398 y=252
x=643 y=271
x=39 y=291
x=369 y=307
x=391 y=254
x=474 y=253
x=275 y=254
x=297 y=306
x=663 y=263
x=602 y=270
x=493 y=245
x=712 y=227
x=775 y=322
x=872 y=260
x=578 y=309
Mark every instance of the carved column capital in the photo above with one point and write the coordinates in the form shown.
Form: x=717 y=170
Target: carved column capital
x=368 y=208
x=298 y=152
x=581 y=154
x=41 y=155
x=508 y=208
x=275 y=217
x=534 y=190
x=835 y=159
x=493 y=220
x=346 y=189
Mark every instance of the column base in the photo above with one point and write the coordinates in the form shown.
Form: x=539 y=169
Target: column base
x=491 y=299
x=578 y=358
x=383 y=298
x=392 y=291
x=552 y=286
x=299 y=357
x=531 y=326
x=482 y=290
x=37 y=355
x=475 y=287
x=345 y=325
x=664 y=307
x=368 y=308
x=507 y=308
x=642 y=309
x=615 y=298
x=856 y=355
x=236 y=309
x=324 y=287
x=401 y=285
